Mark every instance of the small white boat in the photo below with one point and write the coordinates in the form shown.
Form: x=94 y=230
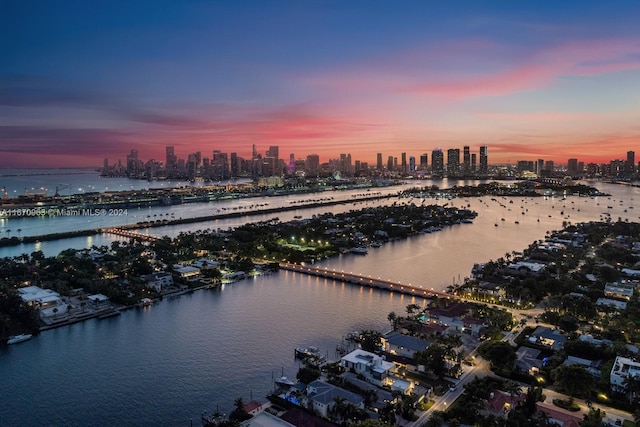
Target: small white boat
x=359 y=250
x=284 y=382
x=14 y=339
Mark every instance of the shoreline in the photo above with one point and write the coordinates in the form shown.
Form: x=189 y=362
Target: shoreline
x=15 y=241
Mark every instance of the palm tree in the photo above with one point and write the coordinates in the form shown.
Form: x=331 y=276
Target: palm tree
x=631 y=386
x=412 y=308
x=340 y=407
x=513 y=388
x=393 y=319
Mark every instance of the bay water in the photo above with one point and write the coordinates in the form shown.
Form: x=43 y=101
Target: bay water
x=168 y=363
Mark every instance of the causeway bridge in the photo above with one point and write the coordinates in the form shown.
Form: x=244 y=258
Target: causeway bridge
x=371 y=282
x=131 y=234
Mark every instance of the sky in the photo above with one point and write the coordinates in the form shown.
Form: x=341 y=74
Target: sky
x=81 y=81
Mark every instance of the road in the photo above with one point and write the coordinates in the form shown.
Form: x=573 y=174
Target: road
x=481 y=369
x=612 y=414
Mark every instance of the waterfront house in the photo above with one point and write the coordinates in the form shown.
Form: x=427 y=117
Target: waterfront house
x=623 y=367
x=489 y=290
x=552 y=247
x=374 y=368
x=48 y=302
x=206 y=264
x=323 y=396
x=403 y=345
x=158 y=280
x=99 y=301
x=265 y=419
x=410 y=327
x=187 y=272
x=450 y=317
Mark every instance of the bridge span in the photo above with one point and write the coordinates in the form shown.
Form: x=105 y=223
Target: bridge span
x=131 y=234
x=371 y=282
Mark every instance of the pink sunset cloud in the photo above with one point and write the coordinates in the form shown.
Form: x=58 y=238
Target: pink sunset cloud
x=542 y=68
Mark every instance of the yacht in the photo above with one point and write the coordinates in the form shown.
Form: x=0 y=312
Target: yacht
x=14 y=339
x=284 y=382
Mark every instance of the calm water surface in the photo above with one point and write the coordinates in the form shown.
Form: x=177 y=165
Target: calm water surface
x=167 y=364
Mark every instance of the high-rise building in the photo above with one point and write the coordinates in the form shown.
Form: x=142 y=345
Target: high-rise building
x=474 y=167
x=312 y=165
x=220 y=166
x=484 y=160
x=403 y=164
x=192 y=166
x=390 y=164
x=453 y=162
x=292 y=164
x=437 y=163
x=235 y=165
x=344 y=165
x=524 y=166
x=572 y=166
x=379 y=161
x=357 y=167
x=134 y=166
x=549 y=167
x=412 y=164
x=616 y=167
x=539 y=166
x=466 y=163
x=424 y=164
x=630 y=164
x=274 y=151
x=170 y=158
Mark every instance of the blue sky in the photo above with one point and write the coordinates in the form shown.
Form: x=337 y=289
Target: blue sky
x=81 y=81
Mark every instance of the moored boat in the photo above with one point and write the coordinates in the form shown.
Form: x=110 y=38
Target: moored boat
x=284 y=382
x=359 y=250
x=309 y=353
x=14 y=339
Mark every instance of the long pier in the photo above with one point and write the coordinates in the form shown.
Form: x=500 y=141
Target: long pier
x=356 y=279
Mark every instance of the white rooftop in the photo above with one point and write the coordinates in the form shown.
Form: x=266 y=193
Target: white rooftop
x=35 y=293
x=533 y=266
x=369 y=359
x=265 y=419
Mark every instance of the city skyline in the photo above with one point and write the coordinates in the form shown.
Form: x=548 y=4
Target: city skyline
x=81 y=82
x=272 y=163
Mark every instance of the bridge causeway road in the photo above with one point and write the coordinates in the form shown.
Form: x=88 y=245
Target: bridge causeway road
x=371 y=282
